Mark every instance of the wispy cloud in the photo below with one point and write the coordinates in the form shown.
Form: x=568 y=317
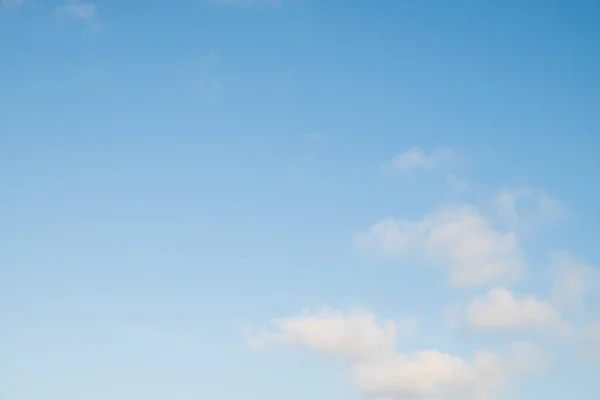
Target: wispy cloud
x=525 y=208
x=244 y=2
x=439 y=160
x=416 y=159
x=82 y=11
x=590 y=342
x=456 y=184
x=11 y=3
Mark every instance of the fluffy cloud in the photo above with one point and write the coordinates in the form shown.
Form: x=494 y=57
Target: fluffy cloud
x=417 y=159
x=378 y=370
x=500 y=310
x=432 y=374
x=457 y=238
x=352 y=335
x=474 y=252
x=573 y=280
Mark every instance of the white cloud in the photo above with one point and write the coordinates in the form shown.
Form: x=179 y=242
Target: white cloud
x=416 y=159
x=431 y=374
x=351 y=335
x=573 y=280
x=500 y=310
x=525 y=208
x=378 y=370
x=457 y=238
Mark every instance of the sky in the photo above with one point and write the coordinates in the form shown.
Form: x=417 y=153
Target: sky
x=292 y=199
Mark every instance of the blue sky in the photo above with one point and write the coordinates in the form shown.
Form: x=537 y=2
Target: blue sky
x=299 y=199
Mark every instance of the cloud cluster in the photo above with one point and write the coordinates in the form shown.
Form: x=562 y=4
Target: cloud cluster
x=378 y=370
x=477 y=251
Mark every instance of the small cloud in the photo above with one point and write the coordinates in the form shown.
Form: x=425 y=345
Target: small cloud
x=457 y=238
x=80 y=10
x=501 y=311
x=525 y=208
x=244 y=2
x=416 y=159
x=11 y=3
x=352 y=335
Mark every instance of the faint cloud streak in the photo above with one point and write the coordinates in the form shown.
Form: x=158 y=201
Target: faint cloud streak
x=82 y=11
x=245 y=3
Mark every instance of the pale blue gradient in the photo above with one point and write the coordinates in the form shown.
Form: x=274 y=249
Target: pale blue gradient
x=189 y=169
